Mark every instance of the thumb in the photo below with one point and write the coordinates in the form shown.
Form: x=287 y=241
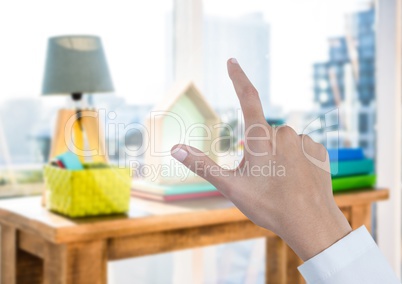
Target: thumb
x=199 y=163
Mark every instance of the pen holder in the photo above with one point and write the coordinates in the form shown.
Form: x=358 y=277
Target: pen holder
x=89 y=192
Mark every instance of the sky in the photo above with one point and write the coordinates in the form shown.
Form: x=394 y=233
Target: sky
x=134 y=37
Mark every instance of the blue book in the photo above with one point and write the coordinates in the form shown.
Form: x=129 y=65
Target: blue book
x=70 y=161
x=345 y=154
x=352 y=168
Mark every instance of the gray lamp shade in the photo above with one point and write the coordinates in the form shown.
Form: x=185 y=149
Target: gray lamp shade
x=76 y=64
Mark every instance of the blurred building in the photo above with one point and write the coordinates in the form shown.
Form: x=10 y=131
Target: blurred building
x=347 y=81
x=19 y=117
x=329 y=85
x=361 y=31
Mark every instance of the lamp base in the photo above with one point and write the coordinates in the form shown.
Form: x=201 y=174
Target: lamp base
x=72 y=127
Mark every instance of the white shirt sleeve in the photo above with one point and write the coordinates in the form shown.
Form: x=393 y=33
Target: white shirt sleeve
x=354 y=259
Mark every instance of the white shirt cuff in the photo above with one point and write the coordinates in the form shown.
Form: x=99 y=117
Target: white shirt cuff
x=353 y=259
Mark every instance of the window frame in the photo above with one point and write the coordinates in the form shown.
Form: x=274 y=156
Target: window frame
x=388 y=94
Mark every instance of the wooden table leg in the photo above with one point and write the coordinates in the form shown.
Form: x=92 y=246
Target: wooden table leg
x=346 y=212
x=360 y=215
x=18 y=266
x=275 y=261
x=293 y=261
x=77 y=263
x=8 y=254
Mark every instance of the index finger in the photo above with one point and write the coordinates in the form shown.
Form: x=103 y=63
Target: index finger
x=247 y=94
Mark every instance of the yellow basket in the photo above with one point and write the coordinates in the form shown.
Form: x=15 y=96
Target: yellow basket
x=89 y=192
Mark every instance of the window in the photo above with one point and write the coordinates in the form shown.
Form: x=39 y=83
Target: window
x=306 y=58
x=136 y=39
x=309 y=59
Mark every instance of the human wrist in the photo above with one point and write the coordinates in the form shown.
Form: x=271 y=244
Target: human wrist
x=318 y=236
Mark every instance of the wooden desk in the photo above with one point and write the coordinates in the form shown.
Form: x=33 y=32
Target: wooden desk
x=41 y=247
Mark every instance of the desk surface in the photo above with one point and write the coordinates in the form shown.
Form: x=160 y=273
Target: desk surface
x=144 y=216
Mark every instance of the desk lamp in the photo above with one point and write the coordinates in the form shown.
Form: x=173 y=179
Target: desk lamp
x=76 y=65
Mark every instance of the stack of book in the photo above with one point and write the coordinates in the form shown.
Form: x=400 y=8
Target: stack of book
x=350 y=169
x=173 y=192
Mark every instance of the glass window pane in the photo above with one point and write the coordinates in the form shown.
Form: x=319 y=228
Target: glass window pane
x=305 y=61
x=135 y=38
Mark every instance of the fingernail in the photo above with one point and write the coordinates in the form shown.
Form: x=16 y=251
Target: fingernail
x=179 y=154
x=234 y=61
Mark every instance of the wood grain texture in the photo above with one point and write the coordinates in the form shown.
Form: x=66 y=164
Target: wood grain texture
x=29 y=268
x=75 y=250
x=31 y=243
x=276 y=261
x=292 y=273
x=346 y=212
x=78 y=263
x=167 y=241
x=361 y=215
x=363 y=196
x=8 y=254
x=144 y=217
